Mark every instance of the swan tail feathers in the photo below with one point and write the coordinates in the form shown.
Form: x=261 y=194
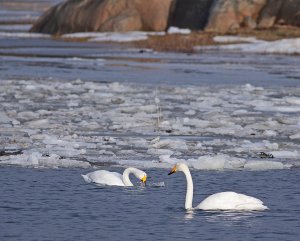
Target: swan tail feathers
x=86 y=178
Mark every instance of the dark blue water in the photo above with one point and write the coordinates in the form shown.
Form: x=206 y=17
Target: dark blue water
x=56 y=204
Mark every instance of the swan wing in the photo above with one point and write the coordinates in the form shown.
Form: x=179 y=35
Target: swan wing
x=231 y=201
x=104 y=177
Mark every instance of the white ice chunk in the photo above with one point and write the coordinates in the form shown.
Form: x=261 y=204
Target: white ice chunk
x=158 y=152
x=36 y=159
x=286 y=154
x=295 y=136
x=127 y=152
x=190 y=112
x=247 y=146
x=293 y=100
x=230 y=39
x=148 y=108
x=174 y=144
x=4 y=118
x=28 y=115
x=270 y=133
x=113 y=36
x=217 y=162
x=42 y=123
x=169 y=159
x=263 y=165
x=176 y=30
x=145 y=164
x=282 y=46
x=250 y=87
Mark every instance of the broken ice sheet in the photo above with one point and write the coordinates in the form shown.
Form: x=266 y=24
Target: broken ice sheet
x=108 y=122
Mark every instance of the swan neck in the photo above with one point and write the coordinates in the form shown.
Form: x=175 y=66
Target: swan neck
x=126 y=174
x=189 y=190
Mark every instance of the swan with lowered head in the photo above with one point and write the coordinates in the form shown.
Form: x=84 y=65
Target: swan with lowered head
x=104 y=177
x=219 y=201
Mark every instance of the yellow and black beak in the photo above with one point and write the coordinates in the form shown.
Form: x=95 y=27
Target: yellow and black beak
x=173 y=170
x=144 y=179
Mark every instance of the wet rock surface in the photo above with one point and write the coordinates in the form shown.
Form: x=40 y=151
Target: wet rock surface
x=155 y=15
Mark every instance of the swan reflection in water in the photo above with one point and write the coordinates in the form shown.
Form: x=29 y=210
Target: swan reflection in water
x=228 y=218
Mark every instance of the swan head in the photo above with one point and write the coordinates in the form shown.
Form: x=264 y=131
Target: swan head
x=141 y=175
x=178 y=167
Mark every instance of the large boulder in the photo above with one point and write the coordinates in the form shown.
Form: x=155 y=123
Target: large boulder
x=280 y=12
x=289 y=13
x=104 y=15
x=192 y=14
x=232 y=14
x=269 y=14
x=157 y=15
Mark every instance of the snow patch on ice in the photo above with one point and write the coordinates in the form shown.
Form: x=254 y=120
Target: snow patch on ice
x=72 y=120
x=286 y=154
x=283 y=46
x=217 y=162
x=232 y=39
x=176 y=30
x=295 y=136
x=264 y=165
x=113 y=36
x=248 y=146
x=208 y=162
x=176 y=145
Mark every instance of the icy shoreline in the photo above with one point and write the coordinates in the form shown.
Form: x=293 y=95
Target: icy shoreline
x=254 y=45
x=76 y=124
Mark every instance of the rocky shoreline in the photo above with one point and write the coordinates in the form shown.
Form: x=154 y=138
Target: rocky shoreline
x=158 y=15
x=187 y=43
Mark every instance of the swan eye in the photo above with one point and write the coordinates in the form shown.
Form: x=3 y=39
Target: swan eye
x=174 y=169
x=144 y=178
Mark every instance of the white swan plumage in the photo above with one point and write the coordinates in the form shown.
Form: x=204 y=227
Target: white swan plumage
x=104 y=177
x=219 y=201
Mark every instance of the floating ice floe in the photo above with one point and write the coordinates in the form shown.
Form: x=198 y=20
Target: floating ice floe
x=252 y=45
x=4 y=119
x=209 y=162
x=264 y=165
x=108 y=122
x=173 y=144
x=286 y=154
x=63 y=147
x=217 y=162
x=247 y=146
x=158 y=152
x=295 y=136
x=36 y=159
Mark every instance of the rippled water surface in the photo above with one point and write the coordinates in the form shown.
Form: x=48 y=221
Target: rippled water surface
x=47 y=204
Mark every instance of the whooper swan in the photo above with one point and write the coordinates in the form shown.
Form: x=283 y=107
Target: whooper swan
x=104 y=177
x=218 y=201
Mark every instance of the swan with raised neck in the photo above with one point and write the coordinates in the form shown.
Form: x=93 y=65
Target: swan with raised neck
x=218 y=201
